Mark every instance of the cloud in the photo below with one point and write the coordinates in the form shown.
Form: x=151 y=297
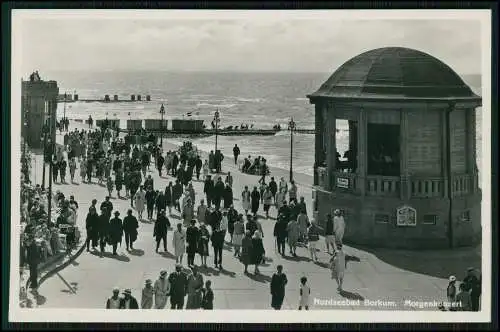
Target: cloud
x=279 y=44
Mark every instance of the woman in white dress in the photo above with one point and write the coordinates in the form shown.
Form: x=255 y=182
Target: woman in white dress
x=179 y=243
x=283 y=185
x=140 y=201
x=305 y=292
x=161 y=290
x=245 y=200
x=83 y=169
x=280 y=198
x=205 y=170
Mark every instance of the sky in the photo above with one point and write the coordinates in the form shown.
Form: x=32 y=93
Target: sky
x=243 y=43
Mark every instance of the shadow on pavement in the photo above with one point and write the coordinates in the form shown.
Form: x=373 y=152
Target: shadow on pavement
x=296 y=259
x=349 y=258
x=208 y=271
x=351 y=295
x=167 y=254
x=136 y=252
x=145 y=221
x=436 y=263
x=227 y=273
x=121 y=258
x=323 y=265
x=259 y=277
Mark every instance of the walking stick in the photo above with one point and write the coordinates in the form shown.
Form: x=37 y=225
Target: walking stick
x=276 y=245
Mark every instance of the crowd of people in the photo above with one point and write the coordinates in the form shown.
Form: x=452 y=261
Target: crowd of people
x=43 y=235
x=208 y=218
x=466 y=298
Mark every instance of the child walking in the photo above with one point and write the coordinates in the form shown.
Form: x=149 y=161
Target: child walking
x=305 y=292
x=337 y=266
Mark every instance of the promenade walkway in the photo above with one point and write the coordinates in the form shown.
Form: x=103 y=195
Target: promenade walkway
x=375 y=275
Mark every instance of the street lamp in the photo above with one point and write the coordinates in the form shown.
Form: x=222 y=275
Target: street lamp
x=44 y=144
x=291 y=127
x=216 y=120
x=162 y=112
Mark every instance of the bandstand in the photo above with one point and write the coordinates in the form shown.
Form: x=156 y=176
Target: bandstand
x=410 y=179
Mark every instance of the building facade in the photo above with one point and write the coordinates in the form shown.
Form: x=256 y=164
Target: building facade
x=38 y=108
x=410 y=178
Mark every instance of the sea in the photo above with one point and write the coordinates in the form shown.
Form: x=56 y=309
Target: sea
x=259 y=99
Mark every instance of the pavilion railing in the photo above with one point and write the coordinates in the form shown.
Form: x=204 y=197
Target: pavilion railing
x=387 y=186
x=427 y=187
x=461 y=185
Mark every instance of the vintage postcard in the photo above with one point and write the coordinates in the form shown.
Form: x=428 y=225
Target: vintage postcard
x=252 y=166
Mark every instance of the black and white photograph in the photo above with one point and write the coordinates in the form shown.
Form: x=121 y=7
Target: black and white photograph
x=250 y=166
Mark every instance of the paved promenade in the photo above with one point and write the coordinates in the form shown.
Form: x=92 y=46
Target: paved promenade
x=375 y=275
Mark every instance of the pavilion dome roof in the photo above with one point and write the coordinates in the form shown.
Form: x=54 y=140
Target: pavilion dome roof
x=394 y=73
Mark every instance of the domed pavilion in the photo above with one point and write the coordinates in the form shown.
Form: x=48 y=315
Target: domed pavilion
x=408 y=177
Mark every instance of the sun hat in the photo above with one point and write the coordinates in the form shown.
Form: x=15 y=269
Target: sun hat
x=116 y=289
x=452 y=278
x=148 y=281
x=127 y=291
x=163 y=272
x=117 y=213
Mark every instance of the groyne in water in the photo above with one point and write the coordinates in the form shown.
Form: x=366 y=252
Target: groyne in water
x=222 y=132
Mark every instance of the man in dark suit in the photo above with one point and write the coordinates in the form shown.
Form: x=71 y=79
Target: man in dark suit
x=33 y=258
x=178 y=287
x=128 y=301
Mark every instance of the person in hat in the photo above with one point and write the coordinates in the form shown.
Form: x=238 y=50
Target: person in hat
x=338 y=226
x=140 y=201
x=179 y=243
x=147 y=295
x=161 y=290
x=115 y=231
x=194 y=289
x=114 y=301
x=33 y=258
x=128 y=301
x=92 y=227
x=207 y=303
x=463 y=298
x=192 y=239
x=160 y=231
x=338 y=264
x=107 y=207
x=246 y=200
x=203 y=244
x=130 y=226
x=472 y=284
x=178 y=287
x=451 y=291
x=278 y=283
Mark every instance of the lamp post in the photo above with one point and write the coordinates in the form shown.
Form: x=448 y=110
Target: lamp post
x=291 y=127
x=44 y=144
x=216 y=120
x=51 y=151
x=162 y=112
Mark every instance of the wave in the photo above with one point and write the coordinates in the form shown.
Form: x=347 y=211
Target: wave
x=215 y=105
x=248 y=100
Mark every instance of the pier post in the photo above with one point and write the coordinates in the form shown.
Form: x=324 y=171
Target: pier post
x=132 y=97
x=148 y=98
x=138 y=97
x=115 y=97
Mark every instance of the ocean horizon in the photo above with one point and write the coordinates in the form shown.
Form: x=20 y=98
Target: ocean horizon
x=263 y=99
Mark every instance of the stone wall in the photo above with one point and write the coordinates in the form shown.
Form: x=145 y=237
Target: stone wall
x=363 y=228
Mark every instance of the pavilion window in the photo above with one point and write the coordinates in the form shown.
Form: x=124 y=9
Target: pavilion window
x=383 y=149
x=346 y=145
